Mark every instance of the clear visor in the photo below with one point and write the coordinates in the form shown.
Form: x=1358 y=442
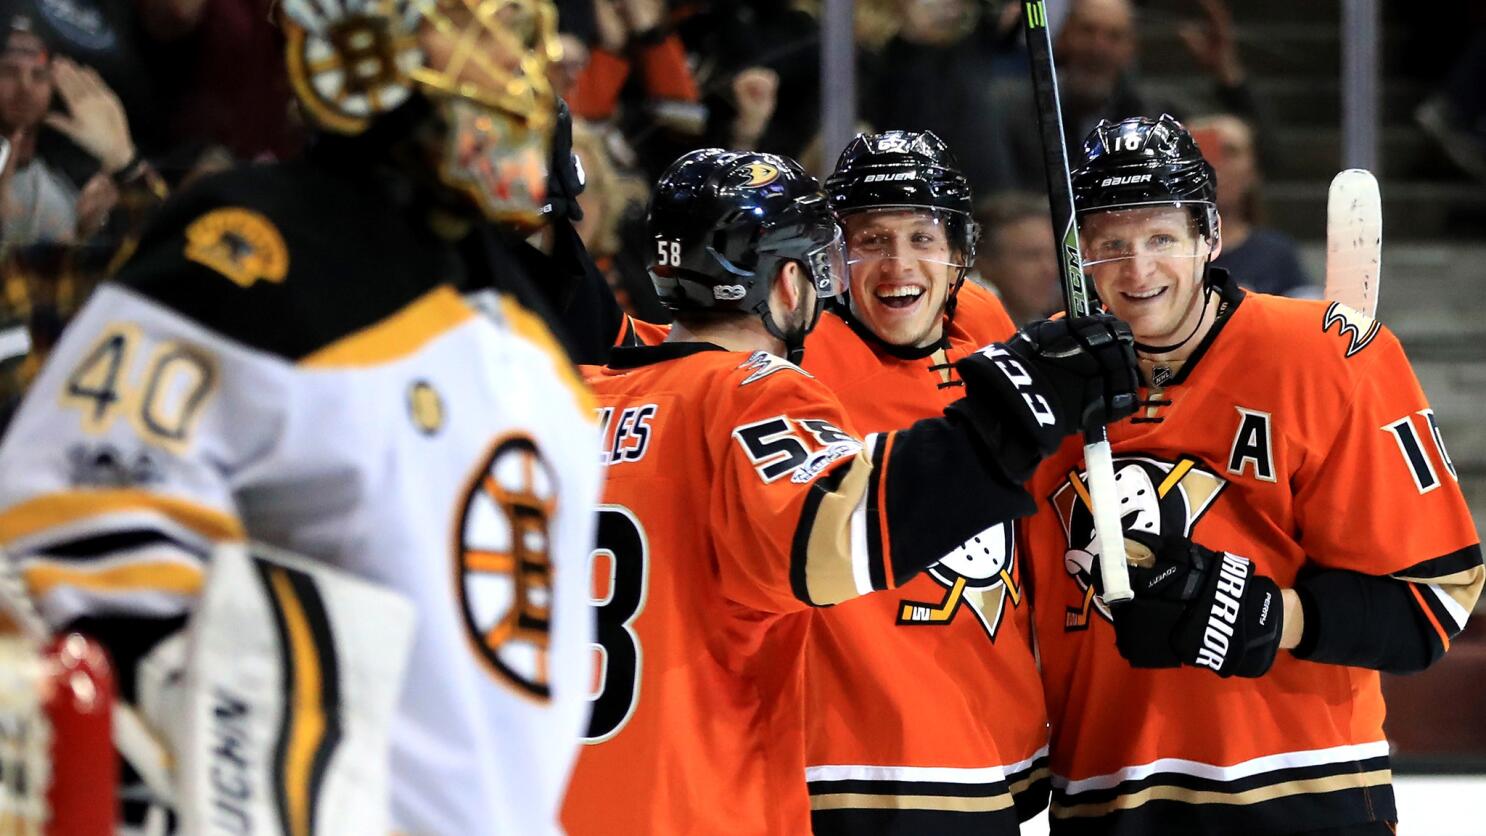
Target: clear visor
x=828 y=267
x=1112 y=239
x=900 y=239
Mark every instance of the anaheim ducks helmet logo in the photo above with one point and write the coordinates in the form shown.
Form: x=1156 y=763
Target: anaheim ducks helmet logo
x=981 y=572
x=760 y=174
x=1155 y=496
x=504 y=571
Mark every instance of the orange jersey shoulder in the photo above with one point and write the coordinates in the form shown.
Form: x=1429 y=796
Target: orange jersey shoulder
x=980 y=316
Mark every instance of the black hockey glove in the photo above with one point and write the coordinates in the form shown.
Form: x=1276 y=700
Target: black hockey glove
x=1198 y=607
x=1052 y=379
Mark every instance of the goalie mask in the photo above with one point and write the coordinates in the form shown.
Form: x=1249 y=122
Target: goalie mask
x=482 y=63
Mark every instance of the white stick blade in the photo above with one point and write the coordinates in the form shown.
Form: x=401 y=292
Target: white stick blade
x=1354 y=241
x=1104 y=496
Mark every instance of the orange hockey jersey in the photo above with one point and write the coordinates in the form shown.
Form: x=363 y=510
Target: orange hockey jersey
x=738 y=496
x=924 y=707
x=1298 y=437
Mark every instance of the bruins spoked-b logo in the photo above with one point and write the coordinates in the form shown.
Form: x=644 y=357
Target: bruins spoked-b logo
x=504 y=569
x=1156 y=496
x=979 y=573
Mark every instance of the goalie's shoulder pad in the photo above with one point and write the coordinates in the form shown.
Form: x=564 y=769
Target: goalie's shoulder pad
x=285 y=258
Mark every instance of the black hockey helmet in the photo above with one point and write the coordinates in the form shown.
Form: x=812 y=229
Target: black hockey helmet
x=905 y=170
x=723 y=223
x=1146 y=162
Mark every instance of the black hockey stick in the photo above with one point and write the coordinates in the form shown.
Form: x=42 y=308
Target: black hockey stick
x=1104 y=500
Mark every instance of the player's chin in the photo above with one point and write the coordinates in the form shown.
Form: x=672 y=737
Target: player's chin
x=893 y=328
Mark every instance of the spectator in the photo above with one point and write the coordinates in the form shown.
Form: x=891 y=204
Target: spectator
x=637 y=77
x=612 y=226
x=1017 y=257
x=1455 y=116
x=231 y=85
x=1097 y=53
x=933 y=76
x=1261 y=258
x=37 y=202
x=41 y=287
x=38 y=199
x=117 y=39
x=729 y=43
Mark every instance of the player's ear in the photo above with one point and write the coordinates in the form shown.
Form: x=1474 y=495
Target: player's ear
x=787 y=291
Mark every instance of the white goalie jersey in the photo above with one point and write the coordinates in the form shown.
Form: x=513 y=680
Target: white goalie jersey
x=414 y=439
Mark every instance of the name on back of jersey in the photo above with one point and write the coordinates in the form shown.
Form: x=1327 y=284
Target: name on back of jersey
x=626 y=433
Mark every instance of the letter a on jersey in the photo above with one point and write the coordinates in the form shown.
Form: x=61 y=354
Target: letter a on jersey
x=1253 y=447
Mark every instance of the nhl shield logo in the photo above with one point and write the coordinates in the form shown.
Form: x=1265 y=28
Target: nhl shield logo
x=504 y=569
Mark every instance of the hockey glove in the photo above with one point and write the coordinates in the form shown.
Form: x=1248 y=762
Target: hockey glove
x=1198 y=607
x=1052 y=379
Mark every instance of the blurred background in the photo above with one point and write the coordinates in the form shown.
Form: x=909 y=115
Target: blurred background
x=110 y=105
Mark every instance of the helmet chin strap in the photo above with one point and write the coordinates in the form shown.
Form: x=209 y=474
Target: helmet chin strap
x=1206 y=289
x=793 y=336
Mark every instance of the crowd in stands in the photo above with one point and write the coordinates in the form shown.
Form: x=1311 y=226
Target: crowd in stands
x=109 y=105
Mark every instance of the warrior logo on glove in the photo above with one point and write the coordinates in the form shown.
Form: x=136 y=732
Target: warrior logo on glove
x=1156 y=497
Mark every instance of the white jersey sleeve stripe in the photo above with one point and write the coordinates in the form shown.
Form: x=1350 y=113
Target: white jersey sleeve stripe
x=1245 y=769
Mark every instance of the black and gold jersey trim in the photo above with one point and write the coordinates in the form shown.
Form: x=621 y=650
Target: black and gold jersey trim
x=1297 y=799
x=309 y=731
x=902 y=805
x=1030 y=787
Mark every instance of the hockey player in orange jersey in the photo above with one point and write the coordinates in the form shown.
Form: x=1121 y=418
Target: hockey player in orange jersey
x=887 y=349
x=739 y=497
x=925 y=707
x=1306 y=526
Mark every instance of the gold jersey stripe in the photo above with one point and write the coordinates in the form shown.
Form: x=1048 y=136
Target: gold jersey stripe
x=434 y=313
x=1285 y=789
x=53 y=510
x=829 y=576
x=1021 y=785
x=307 y=726
x=952 y=803
x=144 y=576
x=531 y=327
x=1464 y=587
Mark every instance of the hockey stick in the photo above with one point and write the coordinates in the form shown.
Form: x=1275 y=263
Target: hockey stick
x=1099 y=462
x=1354 y=241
